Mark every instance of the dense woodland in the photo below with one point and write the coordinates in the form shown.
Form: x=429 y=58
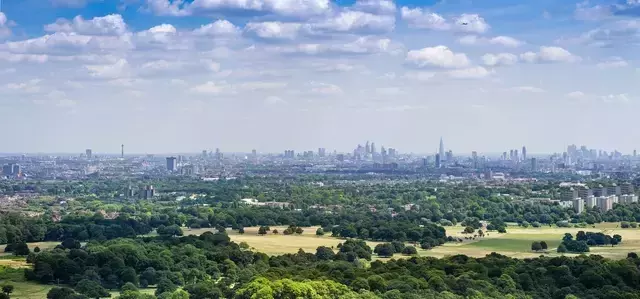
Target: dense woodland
x=121 y=253
x=210 y=266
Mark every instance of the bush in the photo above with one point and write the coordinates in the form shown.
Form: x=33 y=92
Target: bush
x=409 y=250
x=562 y=248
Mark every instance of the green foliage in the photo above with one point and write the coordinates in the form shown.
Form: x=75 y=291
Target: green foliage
x=91 y=289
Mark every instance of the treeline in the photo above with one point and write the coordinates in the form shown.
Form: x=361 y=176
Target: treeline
x=584 y=240
x=388 y=231
x=210 y=266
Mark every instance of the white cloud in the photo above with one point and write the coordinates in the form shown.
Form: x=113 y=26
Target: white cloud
x=350 y=20
x=274 y=30
x=108 y=25
x=419 y=18
x=470 y=23
x=576 y=95
x=612 y=62
x=505 y=41
x=476 y=72
x=549 y=54
x=340 y=67
x=4 y=26
x=439 y=56
x=209 y=88
x=619 y=33
x=31 y=86
x=616 y=98
x=499 y=59
x=420 y=76
x=530 y=89
x=292 y=8
x=218 y=28
x=592 y=13
x=380 y=7
x=109 y=71
x=72 y=3
x=325 y=88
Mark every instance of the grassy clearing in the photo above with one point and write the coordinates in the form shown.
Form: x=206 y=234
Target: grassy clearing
x=42 y=245
x=279 y=244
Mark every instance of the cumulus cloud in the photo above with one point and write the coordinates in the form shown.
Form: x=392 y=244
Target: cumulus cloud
x=505 y=41
x=476 y=72
x=499 y=59
x=549 y=55
x=109 y=71
x=576 y=95
x=218 y=28
x=108 y=25
x=611 y=34
x=612 y=62
x=419 y=18
x=439 y=56
x=72 y=3
x=274 y=30
x=380 y=7
x=324 y=88
x=470 y=23
x=530 y=89
x=291 y=8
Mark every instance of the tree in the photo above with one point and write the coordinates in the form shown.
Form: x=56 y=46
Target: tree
x=263 y=230
x=384 y=250
x=21 y=249
x=568 y=237
x=179 y=294
x=535 y=246
x=91 y=288
x=544 y=245
x=60 y=293
x=36 y=249
x=7 y=289
x=128 y=287
x=241 y=230
x=562 y=248
x=469 y=230
x=299 y=230
x=480 y=233
x=618 y=238
x=275 y=231
x=165 y=285
x=324 y=253
x=409 y=250
x=320 y=231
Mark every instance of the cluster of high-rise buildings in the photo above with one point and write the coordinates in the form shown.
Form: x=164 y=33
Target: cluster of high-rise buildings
x=11 y=170
x=604 y=197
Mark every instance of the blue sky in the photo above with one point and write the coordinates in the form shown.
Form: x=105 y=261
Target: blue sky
x=174 y=76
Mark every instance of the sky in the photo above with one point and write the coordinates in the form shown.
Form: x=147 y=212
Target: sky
x=165 y=76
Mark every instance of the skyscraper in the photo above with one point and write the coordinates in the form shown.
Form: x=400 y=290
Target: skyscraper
x=373 y=148
x=367 y=148
x=122 y=151
x=524 y=153
x=438 y=163
x=89 y=153
x=441 y=150
x=172 y=165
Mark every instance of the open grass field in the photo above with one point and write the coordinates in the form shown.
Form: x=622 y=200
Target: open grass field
x=42 y=245
x=515 y=243
x=279 y=244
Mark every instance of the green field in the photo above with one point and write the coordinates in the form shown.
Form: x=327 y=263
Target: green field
x=513 y=245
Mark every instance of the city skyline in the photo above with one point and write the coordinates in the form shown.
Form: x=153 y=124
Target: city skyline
x=295 y=74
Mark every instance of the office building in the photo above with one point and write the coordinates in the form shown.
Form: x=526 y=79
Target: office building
x=172 y=164
x=578 y=205
x=628 y=198
x=89 y=153
x=568 y=194
x=188 y=170
x=605 y=203
x=524 y=153
x=591 y=202
x=441 y=149
x=322 y=152
x=147 y=192
x=614 y=190
x=584 y=192
x=129 y=192
x=438 y=162
x=289 y=154
x=627 y=188
x=534 y=164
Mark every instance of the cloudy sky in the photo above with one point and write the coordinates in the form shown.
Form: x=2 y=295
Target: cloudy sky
x=185 y=75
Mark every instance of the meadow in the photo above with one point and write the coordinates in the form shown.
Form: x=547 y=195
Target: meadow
x=515 y=243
